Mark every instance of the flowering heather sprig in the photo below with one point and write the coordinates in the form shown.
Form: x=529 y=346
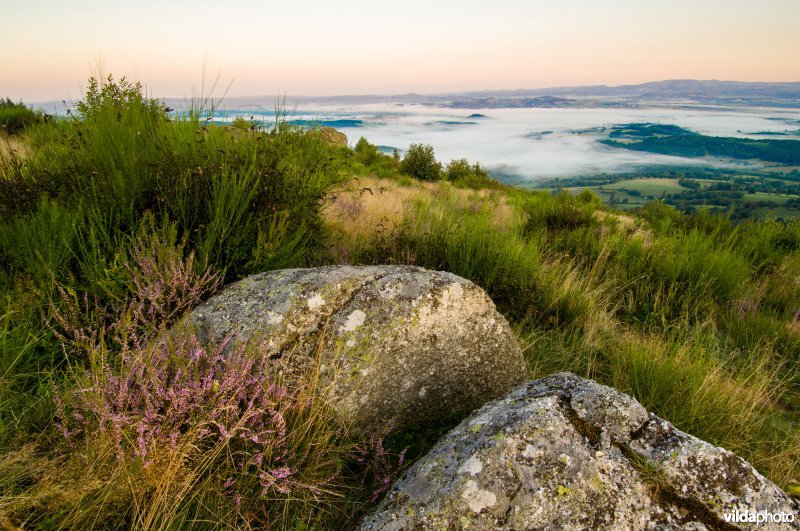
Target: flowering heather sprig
x=381 y=467
x=163 y=284
x=78 y=321
x=745 y=308
x=164 y=394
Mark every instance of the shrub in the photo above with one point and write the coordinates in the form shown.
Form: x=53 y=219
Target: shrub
x=121 y=97
x=458 y=169
x=420 y=162
x=147 y=289
x=16 y=117
x=251 y=444
x=465 y=175
x=365 y=152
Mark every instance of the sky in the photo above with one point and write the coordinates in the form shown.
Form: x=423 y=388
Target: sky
x=323 y=47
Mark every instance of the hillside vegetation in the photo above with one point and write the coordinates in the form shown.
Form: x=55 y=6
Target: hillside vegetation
x=766 y=186
x=116 y=221
x=674 y=140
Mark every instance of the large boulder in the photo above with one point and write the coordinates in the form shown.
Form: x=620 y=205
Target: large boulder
x=402 y=346
x=567 y=453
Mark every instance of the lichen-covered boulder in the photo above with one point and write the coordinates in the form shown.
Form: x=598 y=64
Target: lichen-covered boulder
x=567 y=453
x=402 y=346
x=330 y=136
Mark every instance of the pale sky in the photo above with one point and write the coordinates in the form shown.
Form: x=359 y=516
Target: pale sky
x=329 y=47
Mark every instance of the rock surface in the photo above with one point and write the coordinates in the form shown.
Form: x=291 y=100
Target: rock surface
x=567 y=453
x=331 y=136
x=402 y=345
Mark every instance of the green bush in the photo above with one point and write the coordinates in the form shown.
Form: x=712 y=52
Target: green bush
x=365 y=152
x=458 y=169
x=465 y=175
x=16 y=117
x=420 y=162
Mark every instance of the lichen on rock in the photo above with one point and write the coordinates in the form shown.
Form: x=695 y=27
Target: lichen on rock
x=401 y=345
x=567 y=453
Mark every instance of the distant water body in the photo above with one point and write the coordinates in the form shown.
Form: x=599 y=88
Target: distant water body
x=532 y=143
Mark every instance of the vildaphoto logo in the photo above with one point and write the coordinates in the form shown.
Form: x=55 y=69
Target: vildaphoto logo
x=758 y=517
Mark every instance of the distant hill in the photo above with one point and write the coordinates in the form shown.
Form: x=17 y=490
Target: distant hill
x=684 y=93
x=680 y=92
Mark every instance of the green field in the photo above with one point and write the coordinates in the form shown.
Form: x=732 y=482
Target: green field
x=652 y=187
x=775 y=213
x=745 y=194
x=633 y=193
x=774 y=198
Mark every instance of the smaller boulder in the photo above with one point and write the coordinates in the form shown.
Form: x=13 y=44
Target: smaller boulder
x=567 y=453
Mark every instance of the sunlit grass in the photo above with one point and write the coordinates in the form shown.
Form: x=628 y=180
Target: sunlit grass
x=118 y=220
x=660 y=316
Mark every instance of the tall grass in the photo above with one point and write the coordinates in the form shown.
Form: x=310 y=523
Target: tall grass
x=181 y=436
x=691 y=317
x=113 y=223
x=118 y=220
x=240 y=201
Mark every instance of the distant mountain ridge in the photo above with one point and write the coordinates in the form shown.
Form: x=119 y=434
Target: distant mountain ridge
x=676 y=91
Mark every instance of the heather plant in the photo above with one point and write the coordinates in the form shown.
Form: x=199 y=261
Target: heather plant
x=380 y=465
x=149 y=288
x=176 y=434
x=169 y=432
x=226 y=417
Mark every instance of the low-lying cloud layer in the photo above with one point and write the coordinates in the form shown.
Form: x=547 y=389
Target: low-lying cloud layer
x=530 y=143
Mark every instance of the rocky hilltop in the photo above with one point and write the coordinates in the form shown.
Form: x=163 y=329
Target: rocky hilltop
x=403 y=346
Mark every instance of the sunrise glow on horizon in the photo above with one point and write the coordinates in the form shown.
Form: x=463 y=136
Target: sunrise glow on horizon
x=360 y=47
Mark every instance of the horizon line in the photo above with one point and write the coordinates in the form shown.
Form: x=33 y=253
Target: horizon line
x=459 y=92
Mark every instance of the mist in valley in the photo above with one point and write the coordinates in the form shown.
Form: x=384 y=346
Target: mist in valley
x=529 y=144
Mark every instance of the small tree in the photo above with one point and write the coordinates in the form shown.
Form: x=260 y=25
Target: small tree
x=420 y=162
x=366 y=153
x=458 y=169
x=463 y=174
